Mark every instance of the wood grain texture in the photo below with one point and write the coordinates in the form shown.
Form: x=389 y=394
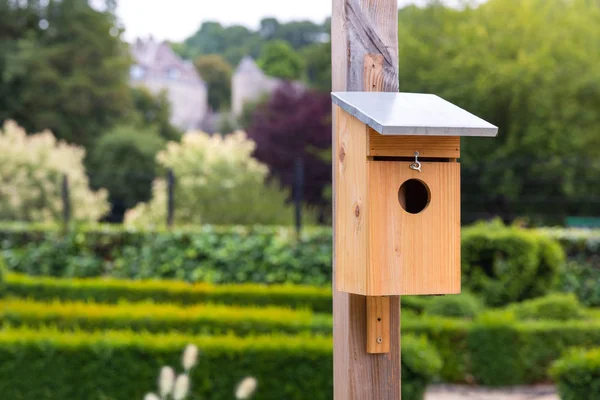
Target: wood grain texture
x=413 y=253
x=351 y=204
x=357 y=374
x=378 y=325
x=405 y=146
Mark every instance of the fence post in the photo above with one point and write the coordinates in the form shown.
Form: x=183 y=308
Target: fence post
x=66 y=201
x=298 y=192
x=170 y=197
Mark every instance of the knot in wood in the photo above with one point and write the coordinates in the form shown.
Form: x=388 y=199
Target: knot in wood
x=342 y=153
x=357 y=211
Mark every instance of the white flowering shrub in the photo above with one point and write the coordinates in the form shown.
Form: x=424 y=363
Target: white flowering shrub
x=31 y=172
x=217 y=181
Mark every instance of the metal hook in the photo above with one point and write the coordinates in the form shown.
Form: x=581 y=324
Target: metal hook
x=416 y=165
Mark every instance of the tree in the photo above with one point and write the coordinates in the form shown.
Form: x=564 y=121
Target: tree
x=278 y=59
x=217 y=181
x=216 y=72
x=529 y=67
x=123 y=161
x=62 y=67
x=153 y=112
x=31 y=172
x=318 y=65
x=295 y=124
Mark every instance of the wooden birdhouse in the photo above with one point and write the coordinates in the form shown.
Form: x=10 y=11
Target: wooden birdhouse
x=397 y=185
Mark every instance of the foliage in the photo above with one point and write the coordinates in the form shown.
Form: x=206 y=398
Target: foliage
x=120 y=364
x=508 y=264
x=234 y=254
x=318 y=65
x=419 y=368
x=582 y=279
x=234 y=42
x=149 y=317
x=558 y=307
x=123 y=161
x=458 y=306
x=113 y=291
x=580 y=245
x=62 y=68
x=279 y=59
x=295 y=124
x=153 y=112
x=216 y=72
x=31 y=173
x=577 y=375
x=217 y=181
x=529 y=67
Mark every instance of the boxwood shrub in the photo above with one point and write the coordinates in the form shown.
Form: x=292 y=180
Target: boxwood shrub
x=49 y=365
x=577 y=375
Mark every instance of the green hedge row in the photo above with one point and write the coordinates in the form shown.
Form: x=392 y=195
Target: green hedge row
x=117 y=365
x=577 y=375
x=111 y=291
x=155 y=318
x=497 y=350
x=579 y=244
x=102 y=290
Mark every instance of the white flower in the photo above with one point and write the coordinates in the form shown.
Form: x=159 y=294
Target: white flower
x=165 y=381
x=182 y=386
x=151 y=396
x=246 y=388
x=190 y=357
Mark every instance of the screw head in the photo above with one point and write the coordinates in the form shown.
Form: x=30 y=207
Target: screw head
x=379 y=340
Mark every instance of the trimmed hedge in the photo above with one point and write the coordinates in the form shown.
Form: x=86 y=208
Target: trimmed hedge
x=556 y=306
x=463 y=305
x=497 y=350
x=582 y=245
x=49 y=365
x=577 y=375
x=508 y=264
x=155 y=318
x=101 y=290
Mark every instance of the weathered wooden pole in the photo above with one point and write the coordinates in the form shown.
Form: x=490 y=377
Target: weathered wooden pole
x=364 y=43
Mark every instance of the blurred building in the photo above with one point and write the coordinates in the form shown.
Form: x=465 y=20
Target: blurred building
x=248 y=84
x=158 y=68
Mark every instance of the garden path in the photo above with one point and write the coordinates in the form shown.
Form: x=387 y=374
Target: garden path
x=452 y=392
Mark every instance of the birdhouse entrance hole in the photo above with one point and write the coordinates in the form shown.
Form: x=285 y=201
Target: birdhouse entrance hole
x=414 y=196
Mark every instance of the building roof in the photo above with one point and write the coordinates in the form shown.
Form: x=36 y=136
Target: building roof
x=248 y=66
x=412 y=114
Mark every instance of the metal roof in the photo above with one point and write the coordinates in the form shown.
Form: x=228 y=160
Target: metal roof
x=412 y=114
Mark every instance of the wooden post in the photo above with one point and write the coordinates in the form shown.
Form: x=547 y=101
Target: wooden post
x=364 y=43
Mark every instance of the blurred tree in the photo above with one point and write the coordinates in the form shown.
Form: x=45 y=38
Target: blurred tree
x=530 y=67
x=216 y=72
x=318 y=65
x=278 y=59
x=123 y=161
x=295 y=124
x=153 y=112
x=63 y=66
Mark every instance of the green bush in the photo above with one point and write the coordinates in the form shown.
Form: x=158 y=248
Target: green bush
x=149 y=317
x=420 y=364
x=581 y=278
x=102 y=290
x=49 y=365
x=556 y=306
x=581 y=245
x=577 y=375
x=459 y=306
x=508 y=264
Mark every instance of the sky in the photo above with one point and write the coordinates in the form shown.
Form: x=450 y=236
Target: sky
x=176 y=20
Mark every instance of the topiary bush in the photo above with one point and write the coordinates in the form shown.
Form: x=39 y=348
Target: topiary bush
x=31 y=173
x=577 y=375
x=581 y=278
x=420 y=365
x=561 y=307
x=508 y=264
x=464 y=305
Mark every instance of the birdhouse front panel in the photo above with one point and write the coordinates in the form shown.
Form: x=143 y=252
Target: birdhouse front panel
x=414 y=225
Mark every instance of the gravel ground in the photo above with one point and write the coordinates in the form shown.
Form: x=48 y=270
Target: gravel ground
x=450 y=392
